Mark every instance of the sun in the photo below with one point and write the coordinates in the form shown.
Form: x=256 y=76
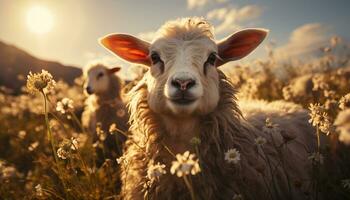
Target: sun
x=39 y=20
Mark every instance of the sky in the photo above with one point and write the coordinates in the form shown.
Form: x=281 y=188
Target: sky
x=67 y=31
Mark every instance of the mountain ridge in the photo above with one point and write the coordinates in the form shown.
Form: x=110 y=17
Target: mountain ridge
x=16 y=63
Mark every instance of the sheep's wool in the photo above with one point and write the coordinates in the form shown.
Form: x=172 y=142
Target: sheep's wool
x=259 y=168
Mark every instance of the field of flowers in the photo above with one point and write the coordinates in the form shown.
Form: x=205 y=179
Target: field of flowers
x=45 y=153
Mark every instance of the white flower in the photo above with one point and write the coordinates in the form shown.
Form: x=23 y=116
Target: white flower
x=61 y=153
x=100 y=133
x=260 y=141
x=40 y=82
x=346 y=183
x=319 y=118
x=67 y=148
x=64 y=105
x=185 y=164
x=154 y=171
x=74 y=142
x=33 y=146
x=22 y=134
x=232 y=156
x=39 y=190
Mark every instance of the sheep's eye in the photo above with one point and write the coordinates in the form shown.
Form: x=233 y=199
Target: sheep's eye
x=155 y=58
x=99 y=75
x=211 y=59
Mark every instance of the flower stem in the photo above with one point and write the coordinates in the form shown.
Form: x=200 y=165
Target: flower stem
x=49 y=132
x=77 y=121
x=50 y=138
x=190 y=188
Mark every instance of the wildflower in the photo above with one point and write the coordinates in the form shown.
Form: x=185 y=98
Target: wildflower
x=260 y=141
x=329 y=94
x=33 y=146
x=39 y=128
x=62 y=153
x=342 y=122
x=319 y=83
x=65 y=105
x=316 y=158
x=268 y=123
x=154 y=171
x=67 y=147
x=39 y=190
x=344 y=102
x=195 y=141
x=237 y=197
x=331 y=105
x=185 y=164
x=232 y=156
x=346 y=183
x=100 y=133
x=319 y=118
x=7 y=172
x=74 y=142
x=81 y=139
x=22 y=134
x=40 y=82
x=113 y=129
x=97 y=144
x=271 y=128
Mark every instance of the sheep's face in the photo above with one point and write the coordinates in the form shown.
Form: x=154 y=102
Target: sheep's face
x=183 y=60
x=183 y=78
x=97 y=79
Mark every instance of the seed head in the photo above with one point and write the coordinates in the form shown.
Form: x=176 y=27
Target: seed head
x=40 y=82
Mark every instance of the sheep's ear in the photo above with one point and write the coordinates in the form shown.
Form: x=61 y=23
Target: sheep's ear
x=127 y=47
x=114 y=70
x=239 y=44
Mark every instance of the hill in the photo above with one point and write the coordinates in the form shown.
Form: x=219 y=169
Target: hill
x=15 y=64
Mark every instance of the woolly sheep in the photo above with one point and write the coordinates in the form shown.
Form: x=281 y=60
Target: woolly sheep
x=104 y=105
x=185 y=95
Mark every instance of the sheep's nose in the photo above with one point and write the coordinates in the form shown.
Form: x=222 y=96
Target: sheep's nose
x=88 y=90
x=183 y=84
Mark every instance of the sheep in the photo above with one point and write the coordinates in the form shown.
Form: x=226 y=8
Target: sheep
x=184 y=95
x=104 y=106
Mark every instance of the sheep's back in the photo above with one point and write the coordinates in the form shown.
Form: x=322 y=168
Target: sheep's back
x=292 y=125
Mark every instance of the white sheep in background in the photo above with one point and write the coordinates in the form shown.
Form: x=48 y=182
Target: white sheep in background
x=104 y=104
x=184 y=95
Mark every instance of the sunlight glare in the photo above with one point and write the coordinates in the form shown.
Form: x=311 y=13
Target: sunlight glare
x=39 y=20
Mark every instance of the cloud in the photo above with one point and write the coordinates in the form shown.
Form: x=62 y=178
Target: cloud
x=147 y=36
x=231 y=19
x=191 y=4
x=304 y=41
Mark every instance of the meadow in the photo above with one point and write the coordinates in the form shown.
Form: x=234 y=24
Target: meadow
x=45 y=153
